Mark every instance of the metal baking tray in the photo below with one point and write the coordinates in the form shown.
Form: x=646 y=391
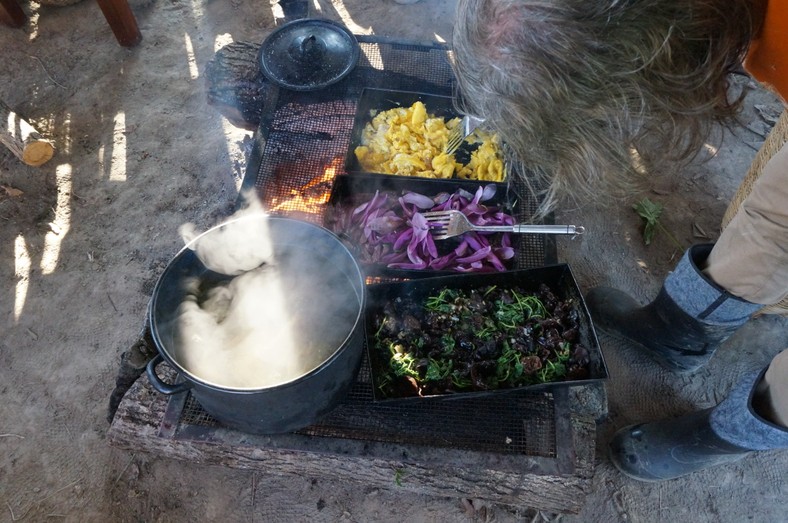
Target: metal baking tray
x=349 y=191
x=373 y=101
x=558 y=278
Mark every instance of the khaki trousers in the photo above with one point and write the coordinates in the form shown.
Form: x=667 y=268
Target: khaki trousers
x=750 y=260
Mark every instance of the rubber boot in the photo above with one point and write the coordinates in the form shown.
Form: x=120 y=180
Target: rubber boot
x=686 y=322
x=673 y=448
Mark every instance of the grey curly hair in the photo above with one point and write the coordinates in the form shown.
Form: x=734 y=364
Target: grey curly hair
x=575 y=86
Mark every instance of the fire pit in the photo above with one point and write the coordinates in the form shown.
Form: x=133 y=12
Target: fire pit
x=299 y=150
x=528 y=448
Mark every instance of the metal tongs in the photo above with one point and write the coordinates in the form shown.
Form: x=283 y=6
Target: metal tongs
x=447 y=224
x=458 y=135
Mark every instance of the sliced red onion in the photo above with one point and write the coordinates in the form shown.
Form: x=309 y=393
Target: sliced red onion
x=392 y=231
x=504 y=253
x=385 y=224
x=481 y=254
x=403 y=239
x=489 y=192
x=419 y=200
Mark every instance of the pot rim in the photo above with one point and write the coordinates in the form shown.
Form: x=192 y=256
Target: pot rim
x=358 y=322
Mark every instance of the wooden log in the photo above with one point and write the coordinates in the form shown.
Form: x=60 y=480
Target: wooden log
x=141 y=423
x=236 y=86
x=22 y=139
x=132 y=365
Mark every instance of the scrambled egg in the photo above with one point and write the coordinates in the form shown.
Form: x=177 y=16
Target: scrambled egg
x=410 y=142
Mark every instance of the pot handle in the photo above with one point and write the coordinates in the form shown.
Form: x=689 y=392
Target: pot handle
x=164 y=388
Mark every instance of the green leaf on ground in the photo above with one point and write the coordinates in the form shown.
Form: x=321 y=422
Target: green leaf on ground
x=650 y=212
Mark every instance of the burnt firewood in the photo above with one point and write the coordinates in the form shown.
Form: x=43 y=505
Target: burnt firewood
x=132 y=365
x=236 y=86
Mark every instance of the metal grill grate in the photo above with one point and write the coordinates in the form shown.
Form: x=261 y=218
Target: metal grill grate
x=302 y=145
x=298 y=150
x=507 y=424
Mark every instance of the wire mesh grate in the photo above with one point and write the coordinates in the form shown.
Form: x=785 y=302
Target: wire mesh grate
x=508 y=423
x=301 y=147
x=306 y=139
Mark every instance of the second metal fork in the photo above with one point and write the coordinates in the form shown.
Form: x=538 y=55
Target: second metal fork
x=458 y=135
x=447 y=224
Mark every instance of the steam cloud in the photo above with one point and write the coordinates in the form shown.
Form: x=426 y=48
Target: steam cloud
x=278 y=307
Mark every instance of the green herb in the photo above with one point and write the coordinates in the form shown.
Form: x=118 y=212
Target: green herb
x=438 y=370
x=442 y=302
x=551 y=371
x=380 y=329
x=523 y=308
x=509 y=365
x=531 y=306
x=448 y=344
x=563 y=353
x=487 y=332
x=402 y=363
x=460 y=381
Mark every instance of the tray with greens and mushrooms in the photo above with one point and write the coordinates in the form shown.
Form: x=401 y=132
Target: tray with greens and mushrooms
x=475 y=334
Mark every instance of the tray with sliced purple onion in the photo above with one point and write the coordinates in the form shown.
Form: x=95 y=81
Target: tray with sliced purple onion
x=380 y=218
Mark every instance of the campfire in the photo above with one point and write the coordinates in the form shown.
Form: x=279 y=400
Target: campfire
x=310 y=198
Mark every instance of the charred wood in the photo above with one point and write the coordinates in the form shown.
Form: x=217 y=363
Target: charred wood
x=236 y=86
x=132 y=365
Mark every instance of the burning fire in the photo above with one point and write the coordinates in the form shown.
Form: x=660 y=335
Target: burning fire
x=311 y=197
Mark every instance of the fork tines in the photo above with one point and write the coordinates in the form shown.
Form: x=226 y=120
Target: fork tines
x=456 y=138
x=439 y=223
x=440 y=234
x=438 y=216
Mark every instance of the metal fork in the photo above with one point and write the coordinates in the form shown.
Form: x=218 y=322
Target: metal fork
x=458 y=135
x=447 y=224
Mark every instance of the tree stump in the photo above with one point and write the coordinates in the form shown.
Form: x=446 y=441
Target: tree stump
x=236 y=85
x=22 y=139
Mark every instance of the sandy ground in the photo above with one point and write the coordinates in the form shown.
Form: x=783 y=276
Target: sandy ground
x=139 y=152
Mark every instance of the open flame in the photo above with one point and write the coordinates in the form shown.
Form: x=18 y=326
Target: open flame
x=311 y=197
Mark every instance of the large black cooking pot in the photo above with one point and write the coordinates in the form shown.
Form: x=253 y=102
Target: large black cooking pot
x=263 y=317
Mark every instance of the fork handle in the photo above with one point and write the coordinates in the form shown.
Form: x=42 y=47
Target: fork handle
x=533 y=229
x=548 y=229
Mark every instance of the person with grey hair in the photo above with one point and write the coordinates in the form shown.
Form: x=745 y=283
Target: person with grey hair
x=580 y=88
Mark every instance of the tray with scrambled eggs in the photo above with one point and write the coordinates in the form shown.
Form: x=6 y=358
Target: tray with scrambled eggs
x=405 y=133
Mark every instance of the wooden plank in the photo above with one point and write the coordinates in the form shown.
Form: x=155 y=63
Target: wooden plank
x=137 y=426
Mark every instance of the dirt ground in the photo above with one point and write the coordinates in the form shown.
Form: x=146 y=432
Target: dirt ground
x=139 y=153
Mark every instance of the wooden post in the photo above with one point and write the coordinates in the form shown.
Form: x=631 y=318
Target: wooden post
x=121 y=20
x=11 y=14
x=22 y=139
